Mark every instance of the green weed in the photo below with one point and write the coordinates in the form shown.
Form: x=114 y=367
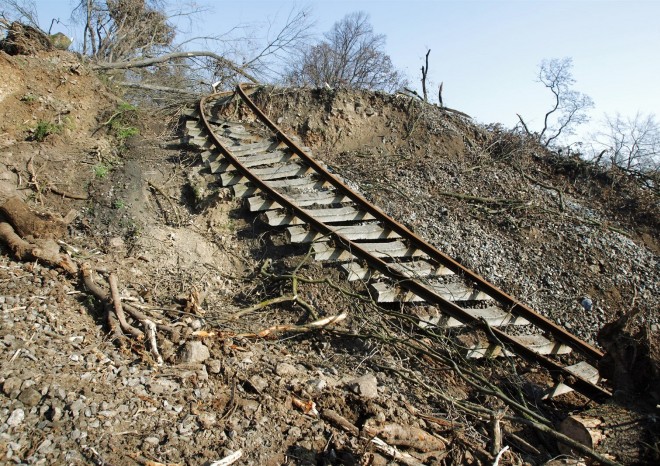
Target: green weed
x=101 y=170
x=44 y=129
x=29 y=98
x=120 y=122
x=126 y=132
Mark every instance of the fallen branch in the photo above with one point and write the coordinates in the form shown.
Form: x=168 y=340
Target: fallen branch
x=407 y=436
x=544 y=186
x=169 y=200
x=173 y=56
x=520 y=443
x=59 y=192
x=316 y=325
x=433 y=419
x=499 y=455
x=150 y=329
x=307 y=407
x=100 y=293
x=28 y=222
x=141 y=317
x=113 y=317
x=496 y=444
x=478 y=410
x=261 y=305
x=154 y=87
x=340 y=421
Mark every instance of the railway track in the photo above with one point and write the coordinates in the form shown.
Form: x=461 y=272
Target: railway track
x=284 y=184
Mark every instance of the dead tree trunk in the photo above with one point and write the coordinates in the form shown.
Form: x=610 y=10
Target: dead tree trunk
x=425 y=71
x=442 y=105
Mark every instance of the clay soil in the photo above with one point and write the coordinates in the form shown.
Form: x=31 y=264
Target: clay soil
x=543 y=228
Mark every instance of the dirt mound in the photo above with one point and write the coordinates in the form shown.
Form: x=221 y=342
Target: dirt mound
x=24 y=40
x=191 y=260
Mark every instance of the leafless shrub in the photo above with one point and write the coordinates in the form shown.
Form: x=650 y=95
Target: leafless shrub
x=23 y=11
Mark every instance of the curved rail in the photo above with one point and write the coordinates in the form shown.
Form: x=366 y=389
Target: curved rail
x=417 y=287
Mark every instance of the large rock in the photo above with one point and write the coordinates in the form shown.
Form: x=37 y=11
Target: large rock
x=193 y=352
x=30 y=397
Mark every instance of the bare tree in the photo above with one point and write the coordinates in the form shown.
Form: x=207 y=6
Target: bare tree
x=351 y=55
x=569 y=108
x=123 y=29
x=632 y=143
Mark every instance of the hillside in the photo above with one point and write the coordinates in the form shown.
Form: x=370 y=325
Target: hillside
x=548 y=230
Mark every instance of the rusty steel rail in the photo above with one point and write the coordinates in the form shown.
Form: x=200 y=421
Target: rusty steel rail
x=558 y=371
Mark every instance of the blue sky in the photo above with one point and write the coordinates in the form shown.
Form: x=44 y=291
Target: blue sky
x=486 y=52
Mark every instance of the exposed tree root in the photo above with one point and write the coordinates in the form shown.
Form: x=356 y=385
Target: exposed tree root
x=24 y=250
x=45 y=249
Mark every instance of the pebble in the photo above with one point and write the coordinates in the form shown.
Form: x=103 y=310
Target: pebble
x=365 y=386
x=163 y=386
x=214 y=366
x=258 y=383
x=207 y=420
x=285 y=369
x=55 y=413
x=151 y=441
x=315 y=385
x=294 y=432
x=11 y=385
x=16 y=418
x=76 y=407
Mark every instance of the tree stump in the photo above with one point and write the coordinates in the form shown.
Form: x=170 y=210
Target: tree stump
x=626 y=436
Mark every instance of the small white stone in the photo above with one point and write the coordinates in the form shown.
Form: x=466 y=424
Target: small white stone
x=16 y=417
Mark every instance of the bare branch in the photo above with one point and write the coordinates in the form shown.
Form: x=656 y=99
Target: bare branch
x=154 y=87
x=173 y=56
x=522 y=122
